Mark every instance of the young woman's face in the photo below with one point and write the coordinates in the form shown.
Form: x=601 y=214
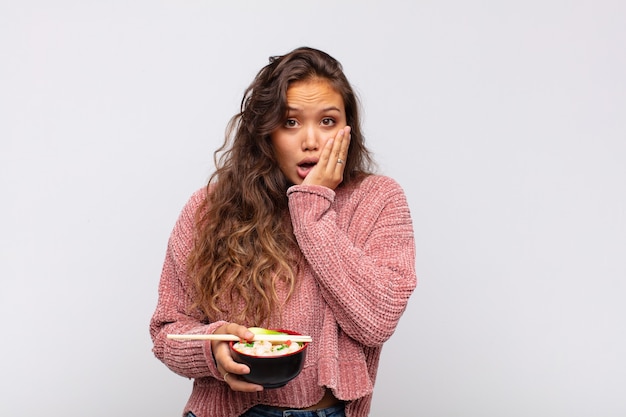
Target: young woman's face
x=315 y=113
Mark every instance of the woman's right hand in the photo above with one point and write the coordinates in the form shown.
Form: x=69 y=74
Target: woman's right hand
x=230 y=369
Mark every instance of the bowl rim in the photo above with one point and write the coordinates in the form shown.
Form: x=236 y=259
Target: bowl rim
x=231 y=344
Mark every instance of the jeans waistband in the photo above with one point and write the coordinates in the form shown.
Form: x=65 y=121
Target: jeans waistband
x=269 y=411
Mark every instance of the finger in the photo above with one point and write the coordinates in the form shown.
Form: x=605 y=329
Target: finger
x=237 y=384
x=345 y=144
x=325 y=156
x=221 y=350
x=339 y=139
x=342 y=148
x=225 y=361
x=235 y=329
x=238 y=330
x=231 y=374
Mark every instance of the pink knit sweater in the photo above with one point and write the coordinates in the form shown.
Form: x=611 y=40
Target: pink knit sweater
x=360 y=271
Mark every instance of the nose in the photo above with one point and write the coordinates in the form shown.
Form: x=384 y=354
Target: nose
x=310 y=139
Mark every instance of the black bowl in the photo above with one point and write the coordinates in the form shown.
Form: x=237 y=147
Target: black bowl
x=272 y=371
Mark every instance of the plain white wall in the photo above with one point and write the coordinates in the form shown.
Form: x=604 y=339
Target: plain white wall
x=504 y=121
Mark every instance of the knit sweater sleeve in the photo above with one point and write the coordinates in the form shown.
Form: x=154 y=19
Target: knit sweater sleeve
x=174 y=313
x=362 y=253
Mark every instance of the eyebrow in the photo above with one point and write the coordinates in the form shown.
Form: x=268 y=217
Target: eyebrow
x=324 y=110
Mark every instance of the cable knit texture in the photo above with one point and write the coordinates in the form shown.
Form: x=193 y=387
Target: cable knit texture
x=359 y=274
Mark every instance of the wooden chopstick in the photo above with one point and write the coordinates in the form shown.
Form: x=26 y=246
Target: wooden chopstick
x=232 y=337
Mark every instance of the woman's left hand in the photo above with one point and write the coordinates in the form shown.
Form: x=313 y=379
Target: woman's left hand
x=329 y=169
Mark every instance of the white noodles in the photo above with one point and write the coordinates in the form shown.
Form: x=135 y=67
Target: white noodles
x=265 y=348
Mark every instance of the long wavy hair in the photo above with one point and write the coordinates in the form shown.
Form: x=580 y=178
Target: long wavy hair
x=244 y=244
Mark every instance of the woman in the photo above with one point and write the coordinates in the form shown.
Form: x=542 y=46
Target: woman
x=292 y=231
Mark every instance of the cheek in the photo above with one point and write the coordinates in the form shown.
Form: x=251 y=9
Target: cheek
x=282 y=150
x=281 y=154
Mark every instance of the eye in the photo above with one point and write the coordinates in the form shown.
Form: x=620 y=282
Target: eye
x=290 y=123
x=328 y=121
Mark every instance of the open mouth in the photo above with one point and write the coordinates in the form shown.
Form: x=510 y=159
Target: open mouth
x=304 y=168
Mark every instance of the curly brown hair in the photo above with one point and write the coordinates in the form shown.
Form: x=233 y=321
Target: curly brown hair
x=244 y=244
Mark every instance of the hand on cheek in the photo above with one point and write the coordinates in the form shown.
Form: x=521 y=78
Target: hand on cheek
x=329 y=169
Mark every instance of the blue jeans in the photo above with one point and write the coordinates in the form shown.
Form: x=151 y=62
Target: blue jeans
x=267 y=411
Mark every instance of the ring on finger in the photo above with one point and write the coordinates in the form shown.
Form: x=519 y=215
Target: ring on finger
x=340 y=161
x=225 y=375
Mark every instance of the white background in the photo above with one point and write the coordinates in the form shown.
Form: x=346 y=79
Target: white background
x=504 y=121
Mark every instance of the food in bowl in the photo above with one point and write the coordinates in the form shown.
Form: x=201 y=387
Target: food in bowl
x=266 y=348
